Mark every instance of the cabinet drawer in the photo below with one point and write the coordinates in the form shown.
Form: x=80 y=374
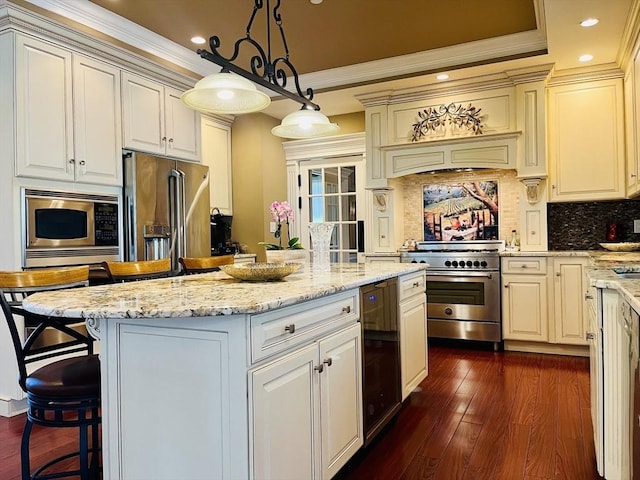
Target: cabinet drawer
x=277 y=331
x=410 y=285
x=524 y=265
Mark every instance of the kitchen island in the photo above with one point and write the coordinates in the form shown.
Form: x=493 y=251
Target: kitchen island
x=205 y=376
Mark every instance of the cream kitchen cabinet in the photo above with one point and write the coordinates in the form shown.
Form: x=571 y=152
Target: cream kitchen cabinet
x=569 y=294
x=524 y=299
x=412 y=317
x=156 y=121
x=216 y=154
x=586 y=141
x=308 y=398
x=68 y=118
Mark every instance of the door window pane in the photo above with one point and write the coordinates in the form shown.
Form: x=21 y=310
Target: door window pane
x=348 y=179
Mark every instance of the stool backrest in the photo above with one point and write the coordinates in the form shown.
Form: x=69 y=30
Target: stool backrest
x=141 y=270
x=45 y=336
x=192 y=265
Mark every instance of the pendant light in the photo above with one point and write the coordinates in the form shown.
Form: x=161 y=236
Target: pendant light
x=234 y=92
x=305 y=124
x=225 y=93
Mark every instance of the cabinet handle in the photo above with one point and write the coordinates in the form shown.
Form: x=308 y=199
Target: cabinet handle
x=328 y=361
x=587 y=296
x=319 y=368
x=589 y=336
x=416 y=284
x=633 y=175
x=290 y=328
x=346 y=309
x=524 y=266
x=557 y=274
x=506 y=285
x=171 y=140
x=72 y=161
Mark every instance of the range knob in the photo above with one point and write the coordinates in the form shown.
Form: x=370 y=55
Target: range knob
x=462 y=264
x=447 y=263
x=454 y=263
x=422 y=261
x=469 y=263
x=476 y=263
x=413 y=261
x=483 y=263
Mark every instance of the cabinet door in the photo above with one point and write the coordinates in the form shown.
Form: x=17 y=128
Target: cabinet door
x=586 y=141
x=143 y=119
x=97 y=122
x=285 y=435
x=44 y=127
x=524 y=307
x=340 y=399
x=569 y=306
x=182 y=126
x=216 y=154
x=412 y=314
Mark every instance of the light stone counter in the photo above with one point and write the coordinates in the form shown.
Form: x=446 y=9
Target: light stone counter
x=208 y=294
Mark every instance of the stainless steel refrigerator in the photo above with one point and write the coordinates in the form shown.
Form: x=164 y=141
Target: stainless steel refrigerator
x=166 y=208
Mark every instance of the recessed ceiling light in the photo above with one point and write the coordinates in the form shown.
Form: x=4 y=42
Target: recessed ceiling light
x=589 y=22
x=198 y=40
x=316 y=2
x=442 y=76
x=585 y=58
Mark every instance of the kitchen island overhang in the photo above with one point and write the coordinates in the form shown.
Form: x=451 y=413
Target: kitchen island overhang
x=182 y=359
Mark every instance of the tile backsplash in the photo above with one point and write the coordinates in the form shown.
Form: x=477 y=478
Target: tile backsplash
x=583 y=225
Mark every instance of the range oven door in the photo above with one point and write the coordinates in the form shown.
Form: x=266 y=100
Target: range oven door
x=463 y=296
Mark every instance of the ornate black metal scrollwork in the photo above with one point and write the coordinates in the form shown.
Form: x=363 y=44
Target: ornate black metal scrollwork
x=265 y=71
x=436 y=118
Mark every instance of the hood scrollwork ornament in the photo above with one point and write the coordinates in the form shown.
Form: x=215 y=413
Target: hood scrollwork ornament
x=436 y=119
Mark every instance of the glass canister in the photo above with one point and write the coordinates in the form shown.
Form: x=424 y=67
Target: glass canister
x=320 y=241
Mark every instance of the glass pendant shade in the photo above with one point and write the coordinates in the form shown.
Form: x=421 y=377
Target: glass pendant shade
x=305 y=124
x=225 y=93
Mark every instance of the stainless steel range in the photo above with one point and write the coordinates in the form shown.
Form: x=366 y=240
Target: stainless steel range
x=463 y=288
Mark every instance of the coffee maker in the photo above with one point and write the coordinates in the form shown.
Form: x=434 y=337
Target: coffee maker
x=221 y=234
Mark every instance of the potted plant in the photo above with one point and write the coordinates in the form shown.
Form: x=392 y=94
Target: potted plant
x=292 y=251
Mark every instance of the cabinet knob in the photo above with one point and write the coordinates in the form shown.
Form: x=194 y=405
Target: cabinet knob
x=587 y=296
x=506 y=285
x=164 y=139
x=524 y=266
x=589 y=336
x=416 y=284
x=346 y=309
x=328 y=361
x=72 y=161
x=82 y=162
x=558 y=274
x=171 y=140
x=319 y=368
x=290 y=328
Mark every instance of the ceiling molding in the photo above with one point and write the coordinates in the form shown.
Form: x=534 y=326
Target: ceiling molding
x=507 y=46
x=324 y=147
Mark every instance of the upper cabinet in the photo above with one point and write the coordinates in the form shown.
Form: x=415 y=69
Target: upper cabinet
x=68 y=119
x=216 y=154
x=156 y=121
x=586 y=141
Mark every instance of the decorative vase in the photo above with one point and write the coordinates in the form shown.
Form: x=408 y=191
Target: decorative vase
x=321 y=240
x=298 y=255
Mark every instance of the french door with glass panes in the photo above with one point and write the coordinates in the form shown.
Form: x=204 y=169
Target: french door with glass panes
x=331 y=192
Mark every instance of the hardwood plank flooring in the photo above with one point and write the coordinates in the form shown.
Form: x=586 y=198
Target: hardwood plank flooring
x=488 y=415
x=479 y=415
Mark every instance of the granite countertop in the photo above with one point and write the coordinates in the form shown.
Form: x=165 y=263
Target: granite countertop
x=208 y=294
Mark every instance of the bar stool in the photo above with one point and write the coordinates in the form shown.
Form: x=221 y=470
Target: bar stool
x=62 y=393
x=140 y=270
x=191 y=265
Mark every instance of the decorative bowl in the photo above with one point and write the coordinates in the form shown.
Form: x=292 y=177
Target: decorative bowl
x=260 y=272
x=621 y=246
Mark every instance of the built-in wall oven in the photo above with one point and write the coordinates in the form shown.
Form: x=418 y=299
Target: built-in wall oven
x=68 y=228
x=463 y=288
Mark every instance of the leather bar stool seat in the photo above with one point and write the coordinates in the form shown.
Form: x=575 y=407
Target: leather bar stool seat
x=75 y=377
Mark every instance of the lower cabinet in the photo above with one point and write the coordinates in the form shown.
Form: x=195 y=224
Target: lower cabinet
x=544 y=300
x=306 y=403
x=412 y=318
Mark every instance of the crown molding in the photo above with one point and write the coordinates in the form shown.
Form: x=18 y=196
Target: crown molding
x=324 y=147
x=508 y=46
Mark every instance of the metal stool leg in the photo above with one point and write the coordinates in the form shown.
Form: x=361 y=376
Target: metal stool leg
x=24 y=450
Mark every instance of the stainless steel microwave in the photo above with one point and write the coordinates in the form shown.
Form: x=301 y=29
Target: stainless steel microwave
x=69 y=228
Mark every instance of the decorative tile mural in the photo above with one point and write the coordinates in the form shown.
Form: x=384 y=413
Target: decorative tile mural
x=461 y=211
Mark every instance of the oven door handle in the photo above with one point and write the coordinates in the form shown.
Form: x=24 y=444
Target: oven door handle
x=460 y=274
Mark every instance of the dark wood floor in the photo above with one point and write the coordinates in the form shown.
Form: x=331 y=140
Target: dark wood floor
x=478 y=415
x=485 y=415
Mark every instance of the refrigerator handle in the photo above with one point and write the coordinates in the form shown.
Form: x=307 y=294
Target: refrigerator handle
x=182 y=196
x=176 y=215
x=131 y=253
